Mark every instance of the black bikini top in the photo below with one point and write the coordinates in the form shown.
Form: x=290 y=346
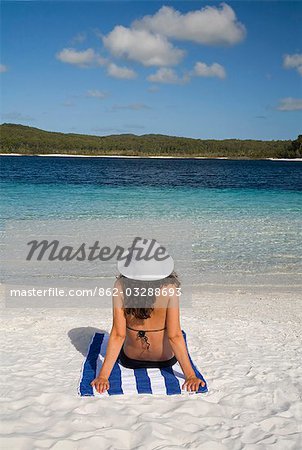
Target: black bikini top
x=141 y=334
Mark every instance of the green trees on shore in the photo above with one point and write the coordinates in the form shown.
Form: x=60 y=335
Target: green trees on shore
x=294 y=150
x=27 y=140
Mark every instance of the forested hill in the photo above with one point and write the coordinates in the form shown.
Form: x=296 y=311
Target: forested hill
x=27 y=140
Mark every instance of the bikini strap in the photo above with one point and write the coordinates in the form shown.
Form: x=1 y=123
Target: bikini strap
x=144 y=331
x=141 y=334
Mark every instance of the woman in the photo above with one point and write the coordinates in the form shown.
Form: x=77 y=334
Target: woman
x=146 y=328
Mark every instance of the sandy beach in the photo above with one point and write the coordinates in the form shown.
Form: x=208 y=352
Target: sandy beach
x=247 y=346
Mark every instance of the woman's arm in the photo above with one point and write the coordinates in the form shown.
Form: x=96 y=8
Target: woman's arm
x=178 y=345
x=116 y=340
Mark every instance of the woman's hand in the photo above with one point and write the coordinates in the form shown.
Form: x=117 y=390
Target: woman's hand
x=192 y=383
x=101 y=384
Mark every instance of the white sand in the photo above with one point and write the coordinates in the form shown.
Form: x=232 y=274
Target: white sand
x=65 y=155
x=247 y=346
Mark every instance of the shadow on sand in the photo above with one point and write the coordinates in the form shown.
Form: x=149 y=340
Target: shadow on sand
x=81 y=337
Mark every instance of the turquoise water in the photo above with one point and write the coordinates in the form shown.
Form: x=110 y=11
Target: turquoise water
x=245 y=215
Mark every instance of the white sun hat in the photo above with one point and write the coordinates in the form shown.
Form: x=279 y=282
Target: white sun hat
x=145 y=260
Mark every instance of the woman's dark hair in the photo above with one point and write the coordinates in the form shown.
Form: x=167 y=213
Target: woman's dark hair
x=141 y=306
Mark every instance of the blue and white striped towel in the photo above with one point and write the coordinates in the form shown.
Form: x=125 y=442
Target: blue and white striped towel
x=167 y=380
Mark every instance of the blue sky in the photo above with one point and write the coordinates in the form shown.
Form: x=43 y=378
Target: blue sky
x=197 y=69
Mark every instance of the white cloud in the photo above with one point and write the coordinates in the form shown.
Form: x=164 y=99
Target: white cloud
x=203 y=70
x=290 y=104
x=89 y=58
x=3 y=68
x=120 y=72
x=142 y=46
x=293 y=62
x=167 y=76
x=80 y=58
x=97 y=94
x=210 y=25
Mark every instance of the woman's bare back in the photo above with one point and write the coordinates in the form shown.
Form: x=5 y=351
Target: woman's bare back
x=159 y=348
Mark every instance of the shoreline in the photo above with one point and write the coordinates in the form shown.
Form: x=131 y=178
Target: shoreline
x=64 y=155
